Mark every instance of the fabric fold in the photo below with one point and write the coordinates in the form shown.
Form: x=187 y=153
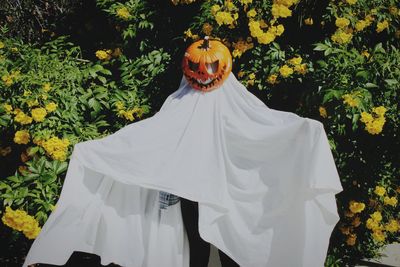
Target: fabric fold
x=265 y=181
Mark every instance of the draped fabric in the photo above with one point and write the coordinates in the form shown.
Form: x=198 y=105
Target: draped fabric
x=265 y=181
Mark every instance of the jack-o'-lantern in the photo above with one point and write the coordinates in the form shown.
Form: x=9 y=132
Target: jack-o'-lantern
x=206 y=64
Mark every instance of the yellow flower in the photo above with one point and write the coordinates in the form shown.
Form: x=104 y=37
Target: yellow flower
x=266 y=37
x=255 y=29
x=50 y=107
x=1 y=45
x=251 y=13
x=21 y=221
x=322 y=112
x=8 y=108
x=123 y=13
x=287 y=3
x=392 y=226
x=22 y=137
x=376 y=216
x=103 y=55
x=282 y=11
x=394 y=10
x=272 y=78
x=382 y=25
x=375 y=126
x=379 y=190
x=223 y=17
x=356 y=207
x=120 y=105
x=302 y=68
x=365 y=53
x=22 y=118
x=308 y=21
x=351 y=2
x=341 y=37
x=32 y=103
x=295 y=60
x=237 y=53
x=245 y=2
x=373 y=224
x=378 y=235
x=252 y=76
x=46 y=87
x=342 y=22
x=215 y=9
x=366 y=117
x=207 y=28
x=285 y=71
x=56 y=148
x=392 y=201
x=277 y=30
x=361 y=25
x=350 y=100
x=229 y=5
x=380 y=111
x=38 y=114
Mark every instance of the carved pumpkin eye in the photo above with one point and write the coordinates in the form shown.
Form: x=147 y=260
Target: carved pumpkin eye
x=212 y=67
x=193 y=66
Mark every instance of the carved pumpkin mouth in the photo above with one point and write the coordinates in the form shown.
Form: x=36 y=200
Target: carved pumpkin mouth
x=207 y=83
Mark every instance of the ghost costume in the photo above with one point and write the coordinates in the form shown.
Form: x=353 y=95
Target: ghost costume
x=265 y=182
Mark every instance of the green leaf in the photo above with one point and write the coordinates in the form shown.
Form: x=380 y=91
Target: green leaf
x=391 y=81
x=371 y=85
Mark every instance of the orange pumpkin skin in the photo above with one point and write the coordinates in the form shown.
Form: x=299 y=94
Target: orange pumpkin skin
x=206 y=64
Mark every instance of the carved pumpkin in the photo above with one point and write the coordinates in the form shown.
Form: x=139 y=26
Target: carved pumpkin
x=206 y=64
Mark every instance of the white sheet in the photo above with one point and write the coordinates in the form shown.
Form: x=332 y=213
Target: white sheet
x=265 y=181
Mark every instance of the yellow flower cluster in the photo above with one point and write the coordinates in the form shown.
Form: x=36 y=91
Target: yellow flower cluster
x=351 y=99
x=50 y=107
x=22 y=137
x=251 y=79
x=285 y=71
x=382 y=25
x=104 y=54
x=21 y=221
x=392 y=226
x=128 y=114
x=241 y=46
x=356 y=207
x=207 y=29
x=38 y=114
x=341 y=37
x=46 y=87
x=8 y=108
x=224 y=17
x=9 y=79
x=123 y=13
x=374 y=122
x=188 y=34
x=380 y=190
x=267 y=37
x=351 y=2
x=272 y=79
x=342 y=22
x=21 y=117
x=363 y=23
x=392 y=201
x=245 y=2
x=322 y=112
x=56 y=148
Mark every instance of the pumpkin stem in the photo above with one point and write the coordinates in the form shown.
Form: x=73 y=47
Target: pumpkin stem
x=206 y=43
